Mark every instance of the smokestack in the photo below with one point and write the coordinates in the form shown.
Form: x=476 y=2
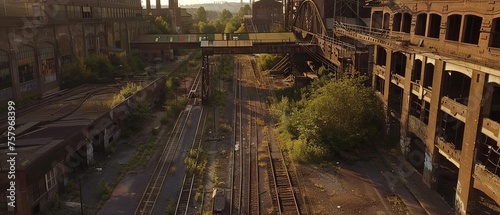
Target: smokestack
x=158 y=7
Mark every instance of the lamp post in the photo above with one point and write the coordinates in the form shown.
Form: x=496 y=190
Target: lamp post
x=81 y=196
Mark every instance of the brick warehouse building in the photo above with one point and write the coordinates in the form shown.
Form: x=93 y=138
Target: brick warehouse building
x=37 y=38
x=434 y=64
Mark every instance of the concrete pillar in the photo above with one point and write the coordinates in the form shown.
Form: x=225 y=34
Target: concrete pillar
x=89 y=153
x=431 y=153
x=406 y=104
x=158 y=7
x=371 y=64
x=387 y=85
x=148 y=7
x=464 y=192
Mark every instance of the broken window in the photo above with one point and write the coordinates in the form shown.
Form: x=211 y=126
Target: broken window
x=472 y=27
x=456 y=86
x=453 y=27
x=495 y=33
x=387 y=18
x=398 y=63
x=428 y=75
x=406 y=23
x=395 y=100
x=421 y=23
x=492 y=95
x=489 y=154
x=377 y=19
x=417 y=71
x=415 y=106
x=379 y=84
x=452 y=130
x=381 y=56
x=434 y=25
x=419 y=108
x=396 y=22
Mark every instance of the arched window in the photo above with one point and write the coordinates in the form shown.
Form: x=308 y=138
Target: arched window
x=406 y=23
x=398 y=63
x=377 y=19
x=421 y=24
x=387 y=18
x=472 y=27
x=417 y=70
x=5 y=77
x=495 y=33
x=453 y=27
x=26 y=63
x=47 y=57
x=381 y=56
x=434 y=26
x=396 y=22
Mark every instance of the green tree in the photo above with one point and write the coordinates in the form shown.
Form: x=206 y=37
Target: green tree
x=241 y=29
x=160 y=26
x=207 y=27
x=224 y=67
x=225 y=15
x=75 y=74
x=245 y=10
x=100 y=67
x=267 y=61
x=340 y=115
x=200 y=15
x=229 y=28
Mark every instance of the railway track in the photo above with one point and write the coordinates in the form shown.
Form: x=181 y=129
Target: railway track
x=192 y=180
x=284 y=189
x=154 y=187
x=237 y=167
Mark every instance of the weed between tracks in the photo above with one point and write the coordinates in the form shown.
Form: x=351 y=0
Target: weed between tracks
x=398 y=204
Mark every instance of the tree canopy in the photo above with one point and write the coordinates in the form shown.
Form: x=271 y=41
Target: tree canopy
x=338 y=115
x=200 y=15
x=159 y=25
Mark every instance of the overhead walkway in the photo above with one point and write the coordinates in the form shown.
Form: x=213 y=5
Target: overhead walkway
x=244 y=43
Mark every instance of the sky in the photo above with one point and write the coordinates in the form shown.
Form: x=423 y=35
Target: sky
x=188 y=2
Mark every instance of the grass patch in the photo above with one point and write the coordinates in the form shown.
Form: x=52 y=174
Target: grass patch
x=170 y=210
x=105 y=191
x=140 y=157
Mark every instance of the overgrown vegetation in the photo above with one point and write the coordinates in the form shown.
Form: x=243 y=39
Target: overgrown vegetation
x=267 y=61
x=195 y=165
x=140 y=157
x=136 y=118
x=105 y=191
x=226 y=21
x=100 y=69
x=224 y=67
x=159 y=25
x=330 y=116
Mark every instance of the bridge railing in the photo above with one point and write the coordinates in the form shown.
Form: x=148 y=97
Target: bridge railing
x=375 y=32
x=330 y=39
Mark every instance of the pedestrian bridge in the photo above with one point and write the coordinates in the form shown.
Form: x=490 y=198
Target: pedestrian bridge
x=223 y=43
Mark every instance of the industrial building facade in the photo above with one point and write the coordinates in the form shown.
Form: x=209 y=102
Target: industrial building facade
x=37 y=38
x=435 y=66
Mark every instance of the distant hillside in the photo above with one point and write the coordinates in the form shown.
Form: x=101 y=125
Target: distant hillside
x=233 y=7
